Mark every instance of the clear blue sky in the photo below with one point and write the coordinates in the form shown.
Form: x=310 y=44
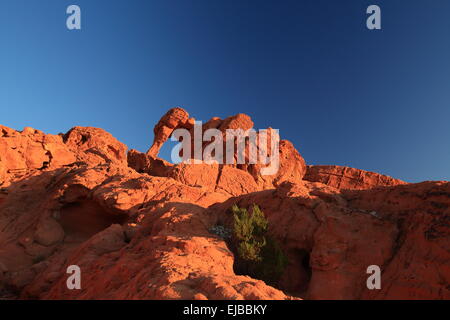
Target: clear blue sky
x=344 y=95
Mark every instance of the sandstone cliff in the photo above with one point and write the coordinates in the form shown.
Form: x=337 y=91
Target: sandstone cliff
x=142 y=228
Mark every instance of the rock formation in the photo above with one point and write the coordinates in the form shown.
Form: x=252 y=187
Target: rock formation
x=348 y=178
x=292 y=166
x=142 y=228
x=175 y=118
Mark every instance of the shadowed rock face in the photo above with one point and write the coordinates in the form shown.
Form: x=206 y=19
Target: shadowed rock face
x=138 y=226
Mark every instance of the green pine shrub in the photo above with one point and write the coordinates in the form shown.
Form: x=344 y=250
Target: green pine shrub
x=258 y=255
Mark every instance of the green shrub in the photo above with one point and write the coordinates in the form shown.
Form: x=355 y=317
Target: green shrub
x=258 y=255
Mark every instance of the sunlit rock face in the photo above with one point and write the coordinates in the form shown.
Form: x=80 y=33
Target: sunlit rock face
x=139 y=227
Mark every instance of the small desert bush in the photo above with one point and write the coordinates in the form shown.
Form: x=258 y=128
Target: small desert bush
x=258 y=255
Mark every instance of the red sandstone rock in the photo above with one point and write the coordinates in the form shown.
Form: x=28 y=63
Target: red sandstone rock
x=144 y=163
x=30 y=151
x=349 y=178
x=332 y=237
x=292 y=166
x=171 y=254
x=215 y=178
x=138 y=227
x=95 y=146
x=174 y=118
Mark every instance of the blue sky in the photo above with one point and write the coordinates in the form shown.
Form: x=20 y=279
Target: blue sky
x=344 y=95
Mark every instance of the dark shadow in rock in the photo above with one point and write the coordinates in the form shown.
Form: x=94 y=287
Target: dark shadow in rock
x=83 y=219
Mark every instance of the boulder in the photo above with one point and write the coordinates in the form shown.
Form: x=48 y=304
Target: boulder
x=349 y=178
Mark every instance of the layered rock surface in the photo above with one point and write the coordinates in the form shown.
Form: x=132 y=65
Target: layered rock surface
x=348 y=178
x=141 y=228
